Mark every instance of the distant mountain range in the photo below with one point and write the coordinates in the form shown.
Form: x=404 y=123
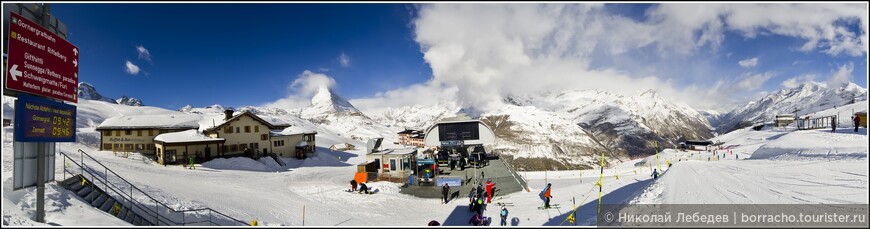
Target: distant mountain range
x=807 y=98
x=87 y=91
x=556 y=130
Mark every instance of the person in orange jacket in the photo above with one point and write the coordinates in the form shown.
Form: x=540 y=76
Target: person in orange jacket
x=547 y=196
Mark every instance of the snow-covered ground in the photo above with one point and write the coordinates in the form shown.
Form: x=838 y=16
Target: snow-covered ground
x=768 y=166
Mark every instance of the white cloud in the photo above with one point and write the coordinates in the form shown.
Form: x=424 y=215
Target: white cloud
x=143 y=53
x=344 y=60
x=798 y=80
x=132 y=69
x=842 y=76
x=748 y=63
x=480 y=53
x=302 y=89
x=754 y=81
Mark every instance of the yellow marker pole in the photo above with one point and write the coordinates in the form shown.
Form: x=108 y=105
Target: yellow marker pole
x=600 y=185
x=657 y=156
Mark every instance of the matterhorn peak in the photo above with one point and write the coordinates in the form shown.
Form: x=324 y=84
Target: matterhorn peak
x=325 y=102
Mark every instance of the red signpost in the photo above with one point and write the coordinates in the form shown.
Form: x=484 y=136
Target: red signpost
x=40 y=62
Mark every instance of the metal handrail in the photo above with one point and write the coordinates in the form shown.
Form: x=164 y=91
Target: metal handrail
x=155 y=200
x=516 y=175
x=114 y=188
x=158 y=216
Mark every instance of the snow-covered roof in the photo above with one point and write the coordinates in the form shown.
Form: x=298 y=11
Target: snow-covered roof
x=218 y=121
x=292 y=130
x=400 y=151
x=185 y=136
x=180 y=121
x=302 y=144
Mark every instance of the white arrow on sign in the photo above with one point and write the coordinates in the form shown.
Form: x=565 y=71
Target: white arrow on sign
x=14 y=72
x=76 y=63
x=76 y=51
x=76 y=74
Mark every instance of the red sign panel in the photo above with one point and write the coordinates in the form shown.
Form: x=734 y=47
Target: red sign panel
x=40 y=62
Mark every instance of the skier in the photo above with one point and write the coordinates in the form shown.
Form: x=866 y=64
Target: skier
x=856 y=121
x=546 y=195
x=481 y=175
x=833 y=125
x=434 y=223
x=353 y=185
x=480 y=205
x=655 y=174
x=363 y=188
x=445 y=190
x=489 y=187
x=504 y=214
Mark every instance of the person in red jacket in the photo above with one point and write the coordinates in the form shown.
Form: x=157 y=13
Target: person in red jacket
x=489 y=187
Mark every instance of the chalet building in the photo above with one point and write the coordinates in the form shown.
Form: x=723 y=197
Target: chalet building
x=176 y=138
x=412 y=138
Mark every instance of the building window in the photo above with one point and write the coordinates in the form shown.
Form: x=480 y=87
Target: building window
x=107 y=146
x=237 y=130
x=234 y=148
x=118 y=133
x=264 y=137
x=170 y=156
x=129 y=132
x=279 y=143
x=247 y=129
x=243 y=147
x=228 y=130
x=128 y=146
x=224 y=148
x=149 y=146
x=117 y=146
x=108 y=133
x=140 y=146
x=257 y=129
x=138 y=132
x=163 y=131
x=255 y=145
x=150 y=132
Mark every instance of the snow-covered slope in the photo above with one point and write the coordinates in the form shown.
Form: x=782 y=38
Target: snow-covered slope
x=88 y=92
x=414 y=117
x=624 y=126
x=802 y=100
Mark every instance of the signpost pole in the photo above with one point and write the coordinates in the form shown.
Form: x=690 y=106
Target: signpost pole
x=40 y=182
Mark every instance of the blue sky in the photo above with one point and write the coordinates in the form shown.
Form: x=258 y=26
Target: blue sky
x=250 y=54
x=240 y=54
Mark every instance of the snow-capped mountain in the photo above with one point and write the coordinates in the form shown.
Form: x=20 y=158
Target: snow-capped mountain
x=332 y=112
x=124 y=100
x=624 y=126
x=416 y=117
x=326 y=102
x=213 y=109
x=87 y=91
x=807 y=98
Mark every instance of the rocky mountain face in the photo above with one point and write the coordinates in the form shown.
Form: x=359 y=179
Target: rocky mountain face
x=87 y=91
x=807 y=98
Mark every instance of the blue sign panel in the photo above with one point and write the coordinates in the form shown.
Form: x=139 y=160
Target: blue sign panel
x=451 y=181
x=42 y=120
x=451 y=143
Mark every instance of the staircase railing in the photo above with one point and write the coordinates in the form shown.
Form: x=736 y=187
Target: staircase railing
x=109 y=188
x=160 y=214
x=516 y=175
